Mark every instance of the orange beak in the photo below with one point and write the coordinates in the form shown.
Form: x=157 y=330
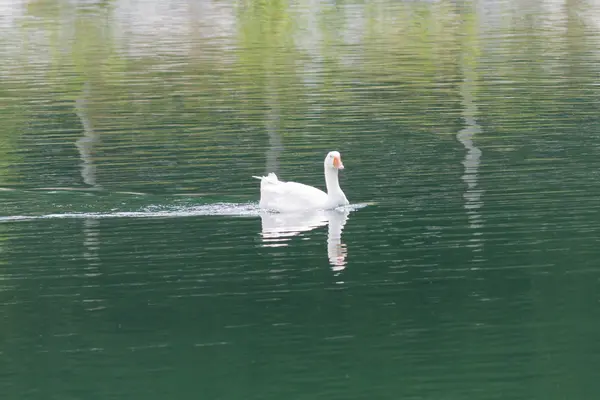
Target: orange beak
x=337 y=162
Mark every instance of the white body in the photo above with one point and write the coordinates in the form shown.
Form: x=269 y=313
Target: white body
x=276 y=195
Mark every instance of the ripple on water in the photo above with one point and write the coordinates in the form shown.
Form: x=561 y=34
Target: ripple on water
x=163 y=211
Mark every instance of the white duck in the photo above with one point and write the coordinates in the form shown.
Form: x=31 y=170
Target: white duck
x=281 y=196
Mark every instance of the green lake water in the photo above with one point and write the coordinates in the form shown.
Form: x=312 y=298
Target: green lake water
x=135 y=263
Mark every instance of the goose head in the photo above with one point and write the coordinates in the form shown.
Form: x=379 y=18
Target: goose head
x=333 y=160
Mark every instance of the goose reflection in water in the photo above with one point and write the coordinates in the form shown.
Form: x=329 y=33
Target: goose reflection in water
x=279 y=228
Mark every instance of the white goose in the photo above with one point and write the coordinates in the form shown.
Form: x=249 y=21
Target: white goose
x=282 y=196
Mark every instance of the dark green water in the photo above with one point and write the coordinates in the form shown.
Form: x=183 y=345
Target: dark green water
x=134 y=263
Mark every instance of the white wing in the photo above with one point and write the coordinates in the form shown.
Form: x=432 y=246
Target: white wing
x=288 y=196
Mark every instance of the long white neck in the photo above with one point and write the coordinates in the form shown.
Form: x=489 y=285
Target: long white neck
x=332 y=182
x=335 y=195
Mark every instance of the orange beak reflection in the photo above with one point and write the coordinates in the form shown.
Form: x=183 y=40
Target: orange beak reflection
x=337 y=162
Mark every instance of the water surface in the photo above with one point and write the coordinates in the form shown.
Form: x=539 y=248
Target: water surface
x=135 y=263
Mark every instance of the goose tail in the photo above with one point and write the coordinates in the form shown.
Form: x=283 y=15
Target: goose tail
x=270 y=178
